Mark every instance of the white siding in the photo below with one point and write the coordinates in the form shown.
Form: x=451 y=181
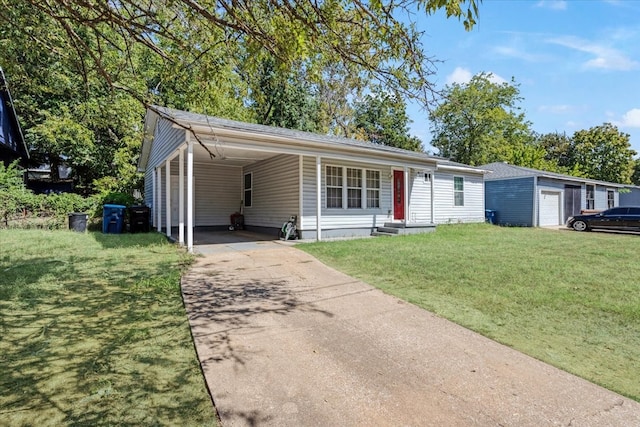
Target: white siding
x=217 y=193
x=420 y=196
x=344 y=218
x=446 y=211
x=275 y=192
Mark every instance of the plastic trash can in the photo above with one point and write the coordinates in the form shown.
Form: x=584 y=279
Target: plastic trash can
x=490 y=216
x=139 y=219
x=113 y=219
x=78 y=221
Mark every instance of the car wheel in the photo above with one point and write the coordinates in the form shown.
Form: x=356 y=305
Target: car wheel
x=580 y=226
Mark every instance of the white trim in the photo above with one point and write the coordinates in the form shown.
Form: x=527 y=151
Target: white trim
x=154 y=196
x=536 y=214
x=406 y=194
x=159 y=202
x=300 y=188
x=318 y=198
x=190 y=214
x=345 y=188
x=458 y=191
x=181 y=197
x=167 y=215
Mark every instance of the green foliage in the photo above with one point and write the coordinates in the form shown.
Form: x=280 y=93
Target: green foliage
x=603 y=153
x=118 y=199
x=382 y=119
x=479 y=122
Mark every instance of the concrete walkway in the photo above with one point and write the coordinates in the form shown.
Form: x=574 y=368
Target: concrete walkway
x=286 y=341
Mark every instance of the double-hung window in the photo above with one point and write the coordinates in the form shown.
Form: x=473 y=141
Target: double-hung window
x=591 y=201
x=611 y=200
x=458 y=191
x=248 y=189
x=352 y=188
x=373 y=189
x=334 y=187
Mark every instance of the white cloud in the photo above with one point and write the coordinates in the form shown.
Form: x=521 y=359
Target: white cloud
x=460 y=75
x=604 y=57
x=553 y=4
x=631 y=118
x=518 y=54
x=463 y=75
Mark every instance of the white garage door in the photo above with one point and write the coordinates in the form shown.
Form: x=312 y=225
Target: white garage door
x=549 y=208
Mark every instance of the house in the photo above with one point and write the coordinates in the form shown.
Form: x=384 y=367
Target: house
x=199 y=170
x=12 y=144
x=532 y=198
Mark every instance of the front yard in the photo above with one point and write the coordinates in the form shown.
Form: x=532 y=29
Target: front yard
x=93 y=332
x=569 y=299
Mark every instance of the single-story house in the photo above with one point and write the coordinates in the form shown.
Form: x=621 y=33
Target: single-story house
x=12 y=144
x=533 y=198
x=200 y=169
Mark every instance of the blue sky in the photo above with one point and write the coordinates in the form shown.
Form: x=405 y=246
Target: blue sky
x=577 y=61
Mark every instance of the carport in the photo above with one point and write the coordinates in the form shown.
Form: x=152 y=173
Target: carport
x=213 y=242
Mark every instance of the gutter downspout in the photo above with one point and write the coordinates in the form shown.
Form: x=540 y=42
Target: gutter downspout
x=535 y=202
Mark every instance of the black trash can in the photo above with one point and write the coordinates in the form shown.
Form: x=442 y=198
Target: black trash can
x=78 y=221
x=113 y=219
x=490 y=216
x=139 y=219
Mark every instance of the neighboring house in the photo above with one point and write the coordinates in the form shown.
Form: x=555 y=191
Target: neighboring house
x=533 y=198
x=199 y=170
x=12 y=144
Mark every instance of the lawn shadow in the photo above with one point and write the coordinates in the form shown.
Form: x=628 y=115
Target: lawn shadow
x=128 y=240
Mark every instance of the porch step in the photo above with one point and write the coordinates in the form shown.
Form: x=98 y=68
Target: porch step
x=395 y=228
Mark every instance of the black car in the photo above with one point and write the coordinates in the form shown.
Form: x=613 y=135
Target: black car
x=622 y=218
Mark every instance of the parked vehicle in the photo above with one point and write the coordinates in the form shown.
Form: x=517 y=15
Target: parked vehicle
x=620 y=218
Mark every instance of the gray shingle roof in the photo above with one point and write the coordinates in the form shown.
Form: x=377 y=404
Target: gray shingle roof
x=194 y=119
x=501 y=170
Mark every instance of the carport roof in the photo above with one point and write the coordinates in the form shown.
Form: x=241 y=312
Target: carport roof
x=502 y=170
x=201 y=125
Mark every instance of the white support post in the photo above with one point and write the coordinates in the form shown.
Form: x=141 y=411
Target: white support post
x=167 y=190
x=190 y=196
x=181 y=197
x=433 y=218
x=159 y=200
x=318 y=198
x=406 y=194
x=154 y=197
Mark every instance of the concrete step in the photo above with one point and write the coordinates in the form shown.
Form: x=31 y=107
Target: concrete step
x=381 y=233
x=391 y=230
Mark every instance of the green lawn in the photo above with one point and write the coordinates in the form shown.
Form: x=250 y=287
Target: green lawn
x=570 y=299
x=93 y=332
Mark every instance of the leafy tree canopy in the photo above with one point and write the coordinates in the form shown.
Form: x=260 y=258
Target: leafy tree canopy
x=382 y=119
x=480 y=122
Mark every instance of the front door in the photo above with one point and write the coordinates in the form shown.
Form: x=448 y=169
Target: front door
x=398 y=195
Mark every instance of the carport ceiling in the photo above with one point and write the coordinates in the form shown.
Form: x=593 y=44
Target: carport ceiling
x=228 y=156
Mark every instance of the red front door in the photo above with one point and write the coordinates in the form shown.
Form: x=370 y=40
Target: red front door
x=398 y=195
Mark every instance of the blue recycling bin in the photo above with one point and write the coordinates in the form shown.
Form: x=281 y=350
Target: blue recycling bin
x=490 y=216
x=113 y=219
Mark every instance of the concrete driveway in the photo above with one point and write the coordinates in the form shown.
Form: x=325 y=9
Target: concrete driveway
x=286 y=341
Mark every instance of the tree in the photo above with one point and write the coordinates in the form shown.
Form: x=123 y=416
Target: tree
x=480 y=122
x=381 y=118
x=603 y=153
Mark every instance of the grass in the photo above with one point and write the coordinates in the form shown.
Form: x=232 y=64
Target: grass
x=570 y=299
x=93 y=332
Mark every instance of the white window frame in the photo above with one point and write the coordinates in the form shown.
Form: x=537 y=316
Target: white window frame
x=456 y=191
x=364 y=202
x=245 y=190
x=327 y=186
x=375 y=191
x=611 y=202
x=593 y=197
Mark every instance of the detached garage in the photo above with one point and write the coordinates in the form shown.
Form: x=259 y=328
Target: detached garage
x=533 y=198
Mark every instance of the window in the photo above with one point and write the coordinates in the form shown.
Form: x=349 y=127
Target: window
x=373 y=189
x=248 y=189
x=591 y=201
x=334 y=187
x=611 y=201
x=458 y=191
x=354 y=188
